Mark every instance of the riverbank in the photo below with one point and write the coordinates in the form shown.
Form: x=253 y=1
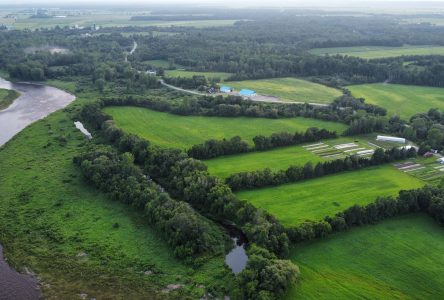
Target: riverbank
x=52 y=222
x=7 y=97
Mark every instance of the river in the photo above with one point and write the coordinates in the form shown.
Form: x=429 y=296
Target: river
x=35 y=102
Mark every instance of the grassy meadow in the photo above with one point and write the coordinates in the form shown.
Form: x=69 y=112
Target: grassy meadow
x=289 y=89
x=189 y=74
x=7 y=97
x=314 y=199
x=101 y=18
x=400 y=258
x=275 y=159
x=52 y=221
x=372 y=52
x=403 y=100
x=170 y=130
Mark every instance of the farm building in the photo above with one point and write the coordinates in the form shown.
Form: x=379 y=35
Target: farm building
x=440 y=160
x=225 y=89
x=247 y=93
x=390 y=139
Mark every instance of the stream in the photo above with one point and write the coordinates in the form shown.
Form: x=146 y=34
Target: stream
x=237 y=258
x=35 y=102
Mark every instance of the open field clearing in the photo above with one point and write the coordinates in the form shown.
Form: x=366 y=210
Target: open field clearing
x=289 y=89
x=52 y=221
x=185 y=131
x=282 y=158
x=371 y=52
x=104 y=20
x=316 y=198
x=434 y=21
x=189 y=74
x=403 y=100
x=400 y=258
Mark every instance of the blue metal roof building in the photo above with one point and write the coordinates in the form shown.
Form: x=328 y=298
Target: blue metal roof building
x=225 y=89
x=247 y=93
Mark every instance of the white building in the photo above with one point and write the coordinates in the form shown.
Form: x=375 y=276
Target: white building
x=384 y=138
x=440 y=160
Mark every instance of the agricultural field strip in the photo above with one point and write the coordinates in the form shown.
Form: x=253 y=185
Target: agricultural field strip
x=427 y=171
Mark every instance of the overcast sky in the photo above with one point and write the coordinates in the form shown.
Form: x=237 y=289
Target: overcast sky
x=231 y=2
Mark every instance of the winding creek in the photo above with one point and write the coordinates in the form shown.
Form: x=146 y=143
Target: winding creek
x=35 y=102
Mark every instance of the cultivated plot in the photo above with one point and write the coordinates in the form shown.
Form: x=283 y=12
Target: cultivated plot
x=400 y=258
x=428 y=170
x=314 y=199
x=170 y=130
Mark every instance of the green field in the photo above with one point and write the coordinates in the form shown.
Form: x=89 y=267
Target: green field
x=276 y=159
x=400 y=258
x=403 y=100
x=371 y=52
x=189 y=74
x=102 y=19
x=289 y=89
x=185 y=131
x=49 y=217
x=7 y=97
x=316 y=198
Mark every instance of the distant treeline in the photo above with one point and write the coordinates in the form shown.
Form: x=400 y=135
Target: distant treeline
x=266 y=177
x=428 y=199
x=177 y=18
x=214 y=148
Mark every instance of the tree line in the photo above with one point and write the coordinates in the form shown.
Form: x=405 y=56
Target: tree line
x=427 y=199
x=188 y=233
x=266 y=177
x=187 y=179
x=214 y=148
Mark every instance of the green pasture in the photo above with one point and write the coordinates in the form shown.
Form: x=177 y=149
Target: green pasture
x=400 y=258
x=185 y=131
x=276 y=159
x=103 y=19
x=372 y=52
x=314 y=199
x=402 y=100
x=189 y=74
x=289 y=89
x=52 y=221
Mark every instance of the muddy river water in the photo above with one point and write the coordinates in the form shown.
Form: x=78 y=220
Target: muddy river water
x=35 y=102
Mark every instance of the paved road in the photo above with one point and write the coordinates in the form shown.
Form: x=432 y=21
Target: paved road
x=162 y=82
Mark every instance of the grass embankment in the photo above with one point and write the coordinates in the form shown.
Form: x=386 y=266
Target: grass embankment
x=276 y=159
x=289 y=89
x=185 y=131
x=400 y=258
x=189 y=74
x=7 y=97
x=370 y=52
x=403 y=100
x=316 y=198
x=64 y=231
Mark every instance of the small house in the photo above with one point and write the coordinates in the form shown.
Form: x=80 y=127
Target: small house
x=247 y=93
x=428 y=154
x=384 y=138
x=225 y=89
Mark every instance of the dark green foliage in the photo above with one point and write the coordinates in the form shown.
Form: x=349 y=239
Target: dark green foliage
x=187 y=232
